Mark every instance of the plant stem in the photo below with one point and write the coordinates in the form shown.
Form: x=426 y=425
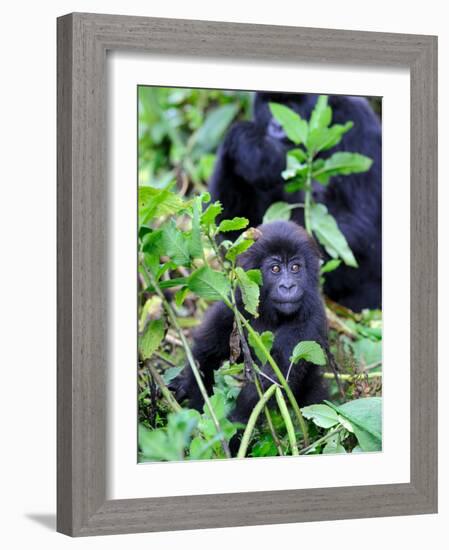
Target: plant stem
x=321 y=440
x=280 y=377
x=274 y=435
x=288 y=421
x=308 y=197
x=353 y=376
x=164 y=359
x=165 y=391
x=190 y=359
x=252 y=421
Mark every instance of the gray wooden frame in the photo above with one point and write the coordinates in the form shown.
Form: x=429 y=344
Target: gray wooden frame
x=83 y=40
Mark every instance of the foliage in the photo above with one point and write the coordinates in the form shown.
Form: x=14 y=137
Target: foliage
x=184 y=266
x=304 y=165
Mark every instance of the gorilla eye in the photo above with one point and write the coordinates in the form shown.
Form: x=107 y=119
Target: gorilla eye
x=295 y=268
x=275 y=268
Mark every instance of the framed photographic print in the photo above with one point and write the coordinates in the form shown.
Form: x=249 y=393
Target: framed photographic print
x=247 y=283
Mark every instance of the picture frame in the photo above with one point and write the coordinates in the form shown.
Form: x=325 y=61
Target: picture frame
x=83 y=42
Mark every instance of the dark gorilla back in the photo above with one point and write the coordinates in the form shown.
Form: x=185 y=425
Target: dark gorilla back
x=247 y=180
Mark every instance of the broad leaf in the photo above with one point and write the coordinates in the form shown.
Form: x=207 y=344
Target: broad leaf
x=255 y=275
x=322 y=139
x=175 y=244
x=154 y=445
x=329 y=266
x=240 y=246
x=267 y=338
x=211 y=212
x=154 y=203
x=333 y=447
x=209 y=284
x=365 y=416
x=296 y=164
x=180 y=295
x=321 y=115
x=152 y=309
x=278 y=211
x=195 y=244
x=297 y=183
x=250 y=291
x=321 y=415
x=329 y=235
x=293 y=125
x=212 y=130
x=200 y=449
x=310 y=351
x=341 y=163
x=233 y=225
x=152 y=243
x=150 y=340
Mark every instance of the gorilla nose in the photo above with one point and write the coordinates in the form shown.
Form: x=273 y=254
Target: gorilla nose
x=287 y=288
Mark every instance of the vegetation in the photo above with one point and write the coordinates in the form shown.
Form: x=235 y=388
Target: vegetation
x=183 y=267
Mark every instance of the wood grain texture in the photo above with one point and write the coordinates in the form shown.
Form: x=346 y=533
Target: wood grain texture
x=83 y=40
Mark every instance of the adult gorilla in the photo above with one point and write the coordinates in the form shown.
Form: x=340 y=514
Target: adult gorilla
x=290 y=306
x=247 y=180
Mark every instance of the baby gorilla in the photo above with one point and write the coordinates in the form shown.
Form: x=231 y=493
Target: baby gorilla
x=290 y=306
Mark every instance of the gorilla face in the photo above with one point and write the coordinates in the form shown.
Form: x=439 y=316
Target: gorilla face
x=289 y=261
x=284 y=279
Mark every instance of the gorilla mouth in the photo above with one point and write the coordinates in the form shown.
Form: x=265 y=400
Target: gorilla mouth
x=287 y=306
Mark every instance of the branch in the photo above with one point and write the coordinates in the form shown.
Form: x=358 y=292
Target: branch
x=163 y=387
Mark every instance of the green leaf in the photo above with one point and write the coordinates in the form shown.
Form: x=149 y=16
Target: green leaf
x=209 y=284
x=321 y=415
x=367 y=351
x=265 y=446
x=321 y=115
x=218 y=404
x=180 y=295
x=333 y=447
x=250 y=291
x=329 y=235
x=296 y=164
x=154 y=445
x=180 y=426
x=329 y=266
x=365 y=416
x=297 y=183
x=175 y=244
x=152 y=309
x=293 y=125
x=195 y=244
x=233 y=225
x=278 y=211
x=211 y=212
x=310 y=351
x=267 y=338
x=171 y=373
x=322 y=139
x=150 y=340
x=152 y=243
x=341 y=163
x=200 y=449
x=211 y=132
x=154 y=203
x=240 y=246
x=255 y=275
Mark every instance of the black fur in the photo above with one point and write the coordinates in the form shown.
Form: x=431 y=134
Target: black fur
x=299 y=317
x=247 y=180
